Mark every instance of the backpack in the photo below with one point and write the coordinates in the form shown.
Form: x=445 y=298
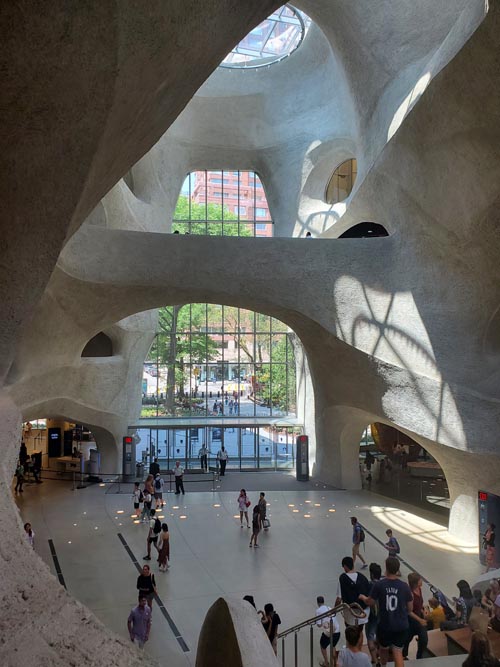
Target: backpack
x=362 y=535
x=157 y=527
x=141 y=496
x=158 y=483
x=396 y=544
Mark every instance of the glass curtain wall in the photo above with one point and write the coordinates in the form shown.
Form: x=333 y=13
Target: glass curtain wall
x=248 y=447
x=218 y=361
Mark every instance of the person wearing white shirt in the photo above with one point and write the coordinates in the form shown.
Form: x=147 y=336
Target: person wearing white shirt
x=222 y=457
x=203 y=456
x=331 y=632
x=179 y=476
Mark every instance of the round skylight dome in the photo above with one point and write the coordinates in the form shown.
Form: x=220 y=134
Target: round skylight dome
x=271 y=41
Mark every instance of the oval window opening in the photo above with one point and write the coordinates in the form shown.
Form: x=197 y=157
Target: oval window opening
x=341 y=182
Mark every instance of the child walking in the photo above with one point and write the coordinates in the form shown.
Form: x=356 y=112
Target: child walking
x=137 y=498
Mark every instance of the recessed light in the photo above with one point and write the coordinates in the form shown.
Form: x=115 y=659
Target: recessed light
x=183 y=516
x=307 y=516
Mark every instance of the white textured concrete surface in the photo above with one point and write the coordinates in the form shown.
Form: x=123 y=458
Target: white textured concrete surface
x=404 y=330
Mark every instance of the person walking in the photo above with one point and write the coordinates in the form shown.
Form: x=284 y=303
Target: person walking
x=153 y=533
x=19 y=477
x=255 y=527
x=222 y=457
x=203 y=456
x=30 y=535
x=158 y=488
x=392 y=545
x=395 y=602
x=137 y=498
x=270 y=622
x=179 y=478
x=352 y=655
x=243 y=504
x=139 y=623
x=164 y=548
x=149 y=484
x=330 y=634
x=416 y=618
x=146 y=507
x=358 y=537
x=351 y=585
x=146 y=585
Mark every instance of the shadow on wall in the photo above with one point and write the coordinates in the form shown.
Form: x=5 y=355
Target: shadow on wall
x=407 y=347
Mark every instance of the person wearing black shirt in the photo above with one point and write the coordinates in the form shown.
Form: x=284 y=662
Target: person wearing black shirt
x=154 y=468
x=146 y=585
x=270 y=622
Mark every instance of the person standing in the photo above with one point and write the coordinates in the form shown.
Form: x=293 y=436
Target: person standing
x=395 y=602
x=203 y=455
x=222 y=457
x=146 y=585
x=352 y=655
x=164 y=548
x=179 y=478
x=351 y=585
x=255 y=527
x=262 y=508
x=158 y=487
x=30 y=535
x=154 y=468
x=270 y=622
x=243 y=504
x=19 y=477
x=358 y=537
x=139 y=623
x=330 y=631
x=489 y=542
x=137 y=498
x=416 y=618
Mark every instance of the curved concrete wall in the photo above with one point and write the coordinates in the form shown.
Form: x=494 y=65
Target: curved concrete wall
x=401 y=330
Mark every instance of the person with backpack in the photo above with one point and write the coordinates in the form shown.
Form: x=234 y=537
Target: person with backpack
x=351 y=585
x=153 y=533
x=358 y=538
x=392 y=545
x=158 y=487
x=138 y=498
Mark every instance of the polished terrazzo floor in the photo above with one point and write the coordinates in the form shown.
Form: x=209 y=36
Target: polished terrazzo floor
x=299 y=557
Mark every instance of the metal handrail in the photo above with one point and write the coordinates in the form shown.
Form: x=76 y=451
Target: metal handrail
x=355 y=609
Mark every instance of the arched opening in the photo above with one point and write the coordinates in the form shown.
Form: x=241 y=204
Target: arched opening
x=395 y=465
x=218 y=375
x=222 y=202
x=364 y=230
x=98 y=346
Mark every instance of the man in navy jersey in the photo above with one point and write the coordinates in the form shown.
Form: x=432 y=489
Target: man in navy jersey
x=395 y=602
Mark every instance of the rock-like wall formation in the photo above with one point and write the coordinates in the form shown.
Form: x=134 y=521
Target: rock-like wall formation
x=401 y=330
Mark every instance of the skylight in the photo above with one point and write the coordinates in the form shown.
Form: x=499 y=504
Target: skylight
x=271 y=41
